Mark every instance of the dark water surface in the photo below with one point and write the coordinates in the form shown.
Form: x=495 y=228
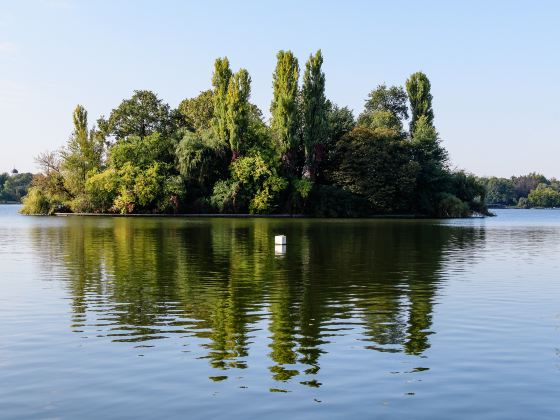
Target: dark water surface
x=203 y=318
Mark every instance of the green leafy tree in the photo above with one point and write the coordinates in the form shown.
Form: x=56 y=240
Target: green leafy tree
x=14 y=187
x=432 y=161
x=469 y=190
x=202 y=160
x=284 y=108
x=314 y=114
x=386 y=107
x=141 y=115
x=418 y=88
x=47 y=193
x=376 y=165
x=500 y=191
x=143 y=151
x=526 y=183
x=82 y=155
x=544 y=196
x=238 y=111
x=220 y=82
x=259 y=181
x=198 y=112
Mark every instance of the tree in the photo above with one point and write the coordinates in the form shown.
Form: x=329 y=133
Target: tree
x=376 y=165
x=203 y=159
x=261 y=180
x=238 y=111
x=467 y=188
x=500 y=191
x=220 y=82
x=14 y=187
x=198 y=112
x=284 y=108
x=526 y=183
x=339 y=122
x=82 y=155
x=544 y=196
x=432 y=162
x=141 y=115
x=385 y=107
x=418 y=88
x=314 y=114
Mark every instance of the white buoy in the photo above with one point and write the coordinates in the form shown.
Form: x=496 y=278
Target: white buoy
x=280 y=240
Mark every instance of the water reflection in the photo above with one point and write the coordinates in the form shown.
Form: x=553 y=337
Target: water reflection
x=221 y=285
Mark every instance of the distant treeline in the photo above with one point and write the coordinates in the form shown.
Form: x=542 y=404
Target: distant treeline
x=14 y=186
x=215 y=153
x=532 y=190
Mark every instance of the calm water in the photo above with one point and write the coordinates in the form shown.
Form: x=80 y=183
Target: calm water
x=203 y=318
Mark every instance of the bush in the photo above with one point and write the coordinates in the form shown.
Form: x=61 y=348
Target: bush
x=36 y=202
x=450 y=207
x=224 y=196
x=544 y=196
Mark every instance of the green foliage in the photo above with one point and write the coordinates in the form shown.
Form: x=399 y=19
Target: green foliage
x=418 y=88
x=526 y=183
x=333 y=201
x=383 y=119
x=238 y=110
x=258 y=180
x=544 y=196
x=385 y=108
x=215 y=153
x=14 y=187
x=303 y=187
x=102 y=188
x=198 y=112
x=284 y=107
x=220 y=82
x=142 y=151
x=50 y=185
x=523 y=203
x=202 y=159
x=470 y=190
x=37 y=202
x=83 y=154
x=141 y=115
x=339 y=122
x=314 y=119
x=433 y=174
x=377 y=166
x=500 y=191
x=224 y=196
x=450 y=206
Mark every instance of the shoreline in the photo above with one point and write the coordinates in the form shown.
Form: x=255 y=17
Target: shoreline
x=257 y=216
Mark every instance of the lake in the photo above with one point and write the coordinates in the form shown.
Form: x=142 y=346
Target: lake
x=154 y=317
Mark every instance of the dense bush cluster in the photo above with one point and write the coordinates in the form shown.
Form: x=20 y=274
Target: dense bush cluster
x=215 y=154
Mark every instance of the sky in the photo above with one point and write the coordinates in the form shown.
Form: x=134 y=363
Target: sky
x=493 y=65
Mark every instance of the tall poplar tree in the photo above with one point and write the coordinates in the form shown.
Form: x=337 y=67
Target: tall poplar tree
x=418 y=88
x=314 y=113
x=220 y=82
x=238 y=110
x=82 y=154
x=284 y=107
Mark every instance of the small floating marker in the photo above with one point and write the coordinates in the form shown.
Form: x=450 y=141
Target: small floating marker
x=279 y=249
x=280 y=240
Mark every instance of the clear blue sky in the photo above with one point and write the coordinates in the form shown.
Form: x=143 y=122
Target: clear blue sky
x=494 y=65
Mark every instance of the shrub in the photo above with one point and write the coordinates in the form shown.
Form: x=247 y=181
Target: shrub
x=450 y=206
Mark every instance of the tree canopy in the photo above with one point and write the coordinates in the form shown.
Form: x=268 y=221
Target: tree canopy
x=215 y=153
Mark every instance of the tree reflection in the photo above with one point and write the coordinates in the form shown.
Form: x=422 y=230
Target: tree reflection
x=218 y=282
